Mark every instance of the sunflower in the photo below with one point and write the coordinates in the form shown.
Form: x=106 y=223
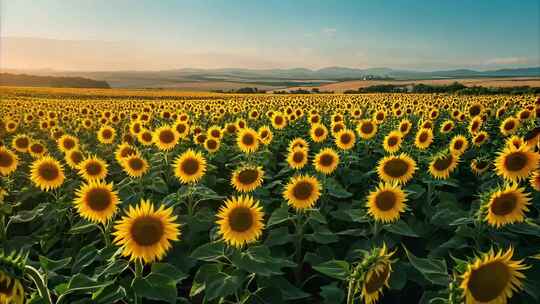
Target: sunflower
x=297 y=158
x=145 y=137
x=506 y=206
x=247 y=178
x=47 y=173
x=318 y=132
x=265 y=135
x=326 y=161
x=302 y=191
x=20 y=143
x=366 y=128
x=479 y=166
x=215 y=132
x=443 y=164
x=345 y=139
x=165 y=138
x=247 y=140
x=106 y=134
x=535 y=180
x=509 y=126
x=458 y=145
x=392 y=142
x=480 y=138
x=298 y=142
x=93 y=168
x=182 y=129
x=386 y=203
x=492 y=278
x=405 y=127
x=240 y=221
x=279 y=121
x=135 y=165
x=447 y=127
x=96 y=201
x=398 y=168
x=211 y=144
x=67 y=143
x=189 y=167
x=475 y=124
x=377 y=274
x=11 y=289
x=74 y=158
x=123 y=151
x=37 y=149
x=532 y=138
x=516 y=164
x=424 y=138
x=145 y=233
x=8 y=161
x=515 y=141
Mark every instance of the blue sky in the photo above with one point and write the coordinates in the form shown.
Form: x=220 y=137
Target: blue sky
x=269 y=34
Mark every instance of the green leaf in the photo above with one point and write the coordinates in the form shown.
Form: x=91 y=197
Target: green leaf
x=337 y=269
x=86 y=256
x=222 y=285
x=209 y=251
x=113 y=268
x=53 y=265
x=415 y=191
x=279 y=236
x=316 y=215
x=202 y=276
x=79 y=282
x=288 y=291
x=332 y=294
x=169 y=271
x=401 y=228
x=156 y=287
x=82 y=227
x=433 y=270
x=462 y=221
x=279 y=216
x=109 y=294
x=159 y=185
x=25 y=216
x=258 y=260
x=336 y=190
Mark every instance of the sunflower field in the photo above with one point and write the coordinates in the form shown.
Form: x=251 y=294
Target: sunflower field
x=119 y=196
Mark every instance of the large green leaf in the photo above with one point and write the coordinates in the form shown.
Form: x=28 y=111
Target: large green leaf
x=209 y=251
x=337 y=269
x=433 y=270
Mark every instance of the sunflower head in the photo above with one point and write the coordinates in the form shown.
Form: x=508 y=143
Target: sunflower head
x=21 y=142
x=247 y=178
x=106 y=134
x=265 y=135
x=240 y=221
x=366 y=128
x=96 y=201
x=67 y=143
x=37 y=149
x=302 y=192
x=458 y=145
x=211 y=144
x=247 y=140
x=479 y=166
x=345 y=139
x=190 y=167
x=396 y=168
x=516 y=164
x=492 y=277
x=386 y=203
x=165 y=138
x=424 y=138
x=11 y=274
x=93 y=168
x=326 y=161
x=392 y=141
x=535 y=180
x=505 y=205
x=318 y=132
x=442 y=164
x=8 y=161
x=297 y=158
x=47 y=173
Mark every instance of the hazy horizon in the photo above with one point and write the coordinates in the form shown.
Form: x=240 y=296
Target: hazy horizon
x=168 y=35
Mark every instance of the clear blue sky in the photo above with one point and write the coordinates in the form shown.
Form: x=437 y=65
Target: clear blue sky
x=277 y=33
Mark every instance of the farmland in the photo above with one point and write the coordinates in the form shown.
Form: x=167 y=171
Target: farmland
x=161 y=196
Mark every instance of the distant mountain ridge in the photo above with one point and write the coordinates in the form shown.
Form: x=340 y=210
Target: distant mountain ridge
x=275 y=77
x=23 y=80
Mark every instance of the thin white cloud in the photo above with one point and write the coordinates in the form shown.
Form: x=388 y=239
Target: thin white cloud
x=508 y=60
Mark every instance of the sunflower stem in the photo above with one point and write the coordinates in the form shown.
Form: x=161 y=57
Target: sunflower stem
x=350 y=295
x=298 y=246
x=138 y=274
x=38 y=279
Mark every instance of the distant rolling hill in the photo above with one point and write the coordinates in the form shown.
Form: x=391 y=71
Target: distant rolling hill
x=24 y=80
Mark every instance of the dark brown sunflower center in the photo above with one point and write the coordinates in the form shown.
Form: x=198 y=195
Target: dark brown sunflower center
x=211 y=144
x=36 y=148
x=240 y=219
x=93 y=168
x=481 y=165
x=127 y=151
x=166 y=136
x=136 y=128
x=264 y=134
x=319 y=132
x=180 y=128
x=147 y=136
x=346 y=138
x=367 y=128
x=147 y=231
x=190 y=166
x=385 y=200
x=458 y=144
x=278 y=120
x=480 y=138
x=404 y=128
x=423 y=137
x=504 y=204
x=69 y=143
x=7 y=287
x=248 y=139
x=215 y=133
x=515 y=161
x=474 y=110
x=106 y=133
x=392 y=141
x=509 y=125
x=22 y=142
x=76 y=157
x=326 y=160
x=99 y=199
x=443 y=163
x=135 y=163
x=248 y=176
x=6 y=159
x=377 y=280
x=303 y=190
x=396 y=168
x=48 y=171
x=447 y=127
x=489 y=281
x=298 y=157
x=380 y=116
